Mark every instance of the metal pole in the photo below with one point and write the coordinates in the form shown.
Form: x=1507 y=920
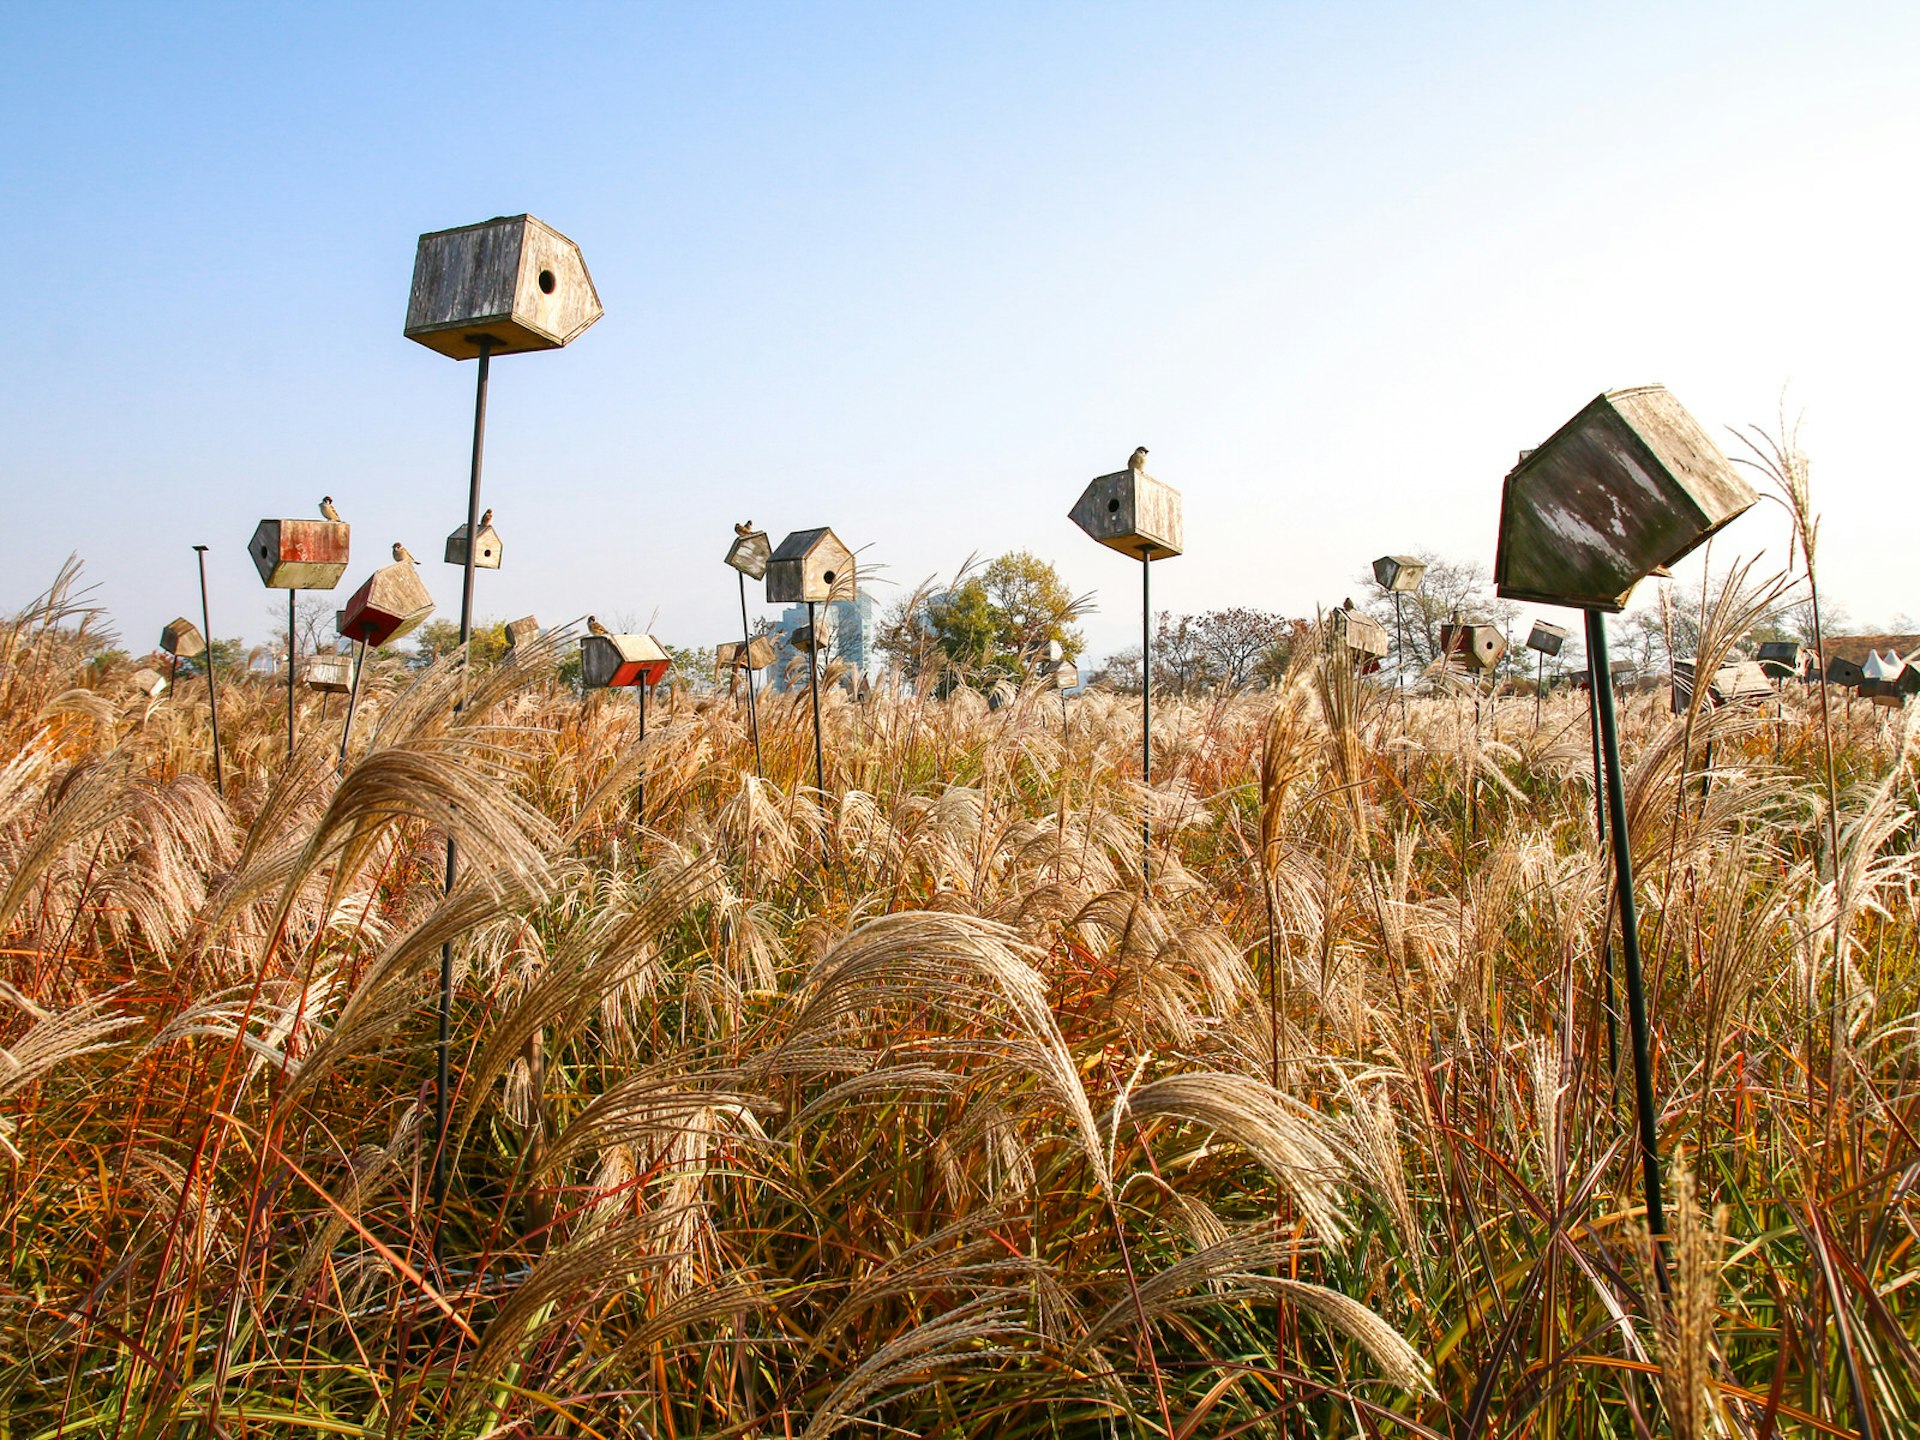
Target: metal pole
x=213 y=699
x=1539 y=689
x=746 y=663
x=640 y=790
x=1400 y=670
x=1629 y=928
x=813 y=683
x=441 y=1097
x=1600 y=832
x=353 y=702
x=292 y=595
x=1146 y=713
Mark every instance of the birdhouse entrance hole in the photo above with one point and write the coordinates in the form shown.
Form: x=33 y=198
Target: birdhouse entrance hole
x=828 y=577
x=1113 y=507
x=546 y=282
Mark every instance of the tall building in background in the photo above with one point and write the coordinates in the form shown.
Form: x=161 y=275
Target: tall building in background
x=848 y=630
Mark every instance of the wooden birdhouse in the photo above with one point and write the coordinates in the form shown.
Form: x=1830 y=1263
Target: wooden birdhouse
x=1545 y=638
x=300 y=554
x=150 y=683
x=331 y=674
x=1401 y=573
x=1624 y=488
x=1780 y=658
x=1841 y=671
x=522 y=630
x=1064 y=675
x=750 y=554
x=182 y=638
x=1131 y=512
x=392 y=603
x=512 y=281
x=618 y=661
x=1472 y=647
x=1357 y=635
x=1738 y=682
x=486 y=555
x=802 y=639
x=810 y=565
x=755 y=654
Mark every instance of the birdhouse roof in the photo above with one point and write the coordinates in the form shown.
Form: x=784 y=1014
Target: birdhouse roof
x=802 y=543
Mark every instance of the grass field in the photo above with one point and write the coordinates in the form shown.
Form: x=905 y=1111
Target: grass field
x=909 y=1109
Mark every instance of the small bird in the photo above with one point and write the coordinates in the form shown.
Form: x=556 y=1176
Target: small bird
x=743 y=528
x=595 y=627
x=327 y=512
x=486 y=519
x=400 y=552
x=1138 y=460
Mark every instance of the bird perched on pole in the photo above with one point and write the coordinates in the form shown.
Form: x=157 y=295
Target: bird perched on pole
x=327 y=512
x=486 y=519
x=595 y=627
x=1138 y=460
x=400 y=552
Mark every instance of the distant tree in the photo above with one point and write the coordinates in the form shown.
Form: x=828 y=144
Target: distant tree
x=1032 y=606
x=313 y=622
x=1449 y=589
x=1238 y=642
x=987 y=626
x=442 y=636
x=1181 y=664
x=1121 y=672
x=693 y=665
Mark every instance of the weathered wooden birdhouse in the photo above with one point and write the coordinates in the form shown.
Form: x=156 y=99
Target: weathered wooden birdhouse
x=150 y=683
x=750 y=554
x=300 y=554
x=618 y=661
x=1624 y=488
x=1781 y=659
x=1841 y=671
x=1357 y=635
x=1064 y=675
x=329 y=673
x=810 y=565
x=486 y=555
x=1545 y=638
x=522 y=630
x=182 y=638
x=1399 y=573
x=1472 y=647
x=1737 y=682
x=1131 y=512
x=392 y=603
x=755 y=654
x=802 y=639
x=512 y=281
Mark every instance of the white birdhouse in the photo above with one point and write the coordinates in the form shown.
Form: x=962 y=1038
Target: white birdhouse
x=750 y=554
x=486 y=555
x=1399 y=573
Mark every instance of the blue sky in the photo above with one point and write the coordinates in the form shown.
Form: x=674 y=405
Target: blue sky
x=918 y=273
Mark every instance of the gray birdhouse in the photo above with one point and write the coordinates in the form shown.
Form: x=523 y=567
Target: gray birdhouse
x=1356 y=634
x=300 y=554
x=810 y=565
x=755 y=654
x=331 y=674
x=1545 y=638
x=182 y=638
x=1472 y=647
x=1624 y=488
x=1064 y=675
x=1131 y=512
x=620 y=661
x=486 y=555
x=802 y=639
x=522 y=630
x=1401 y=573
x=1780 y=658
x=512 y=280
x=1734 y=683
x=1845 y=672
x=392 y=603
x=750 y=554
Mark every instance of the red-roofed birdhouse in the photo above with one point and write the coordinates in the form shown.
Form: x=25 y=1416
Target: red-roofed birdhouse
x=392 y=603
x=300 y=554
x=614 y=661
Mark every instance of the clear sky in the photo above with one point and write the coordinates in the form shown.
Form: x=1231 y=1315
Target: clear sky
x=919 y=272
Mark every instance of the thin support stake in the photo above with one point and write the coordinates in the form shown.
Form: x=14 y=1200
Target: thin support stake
x=746 y=663
x=442 y=1080
x=1146 y=714
x=1400 y=670
x=640 y=789
x=353 y=702
x=292 y=595
x=213 y=698
x=1600 y=833
x=813 y=683
x=1629 y=929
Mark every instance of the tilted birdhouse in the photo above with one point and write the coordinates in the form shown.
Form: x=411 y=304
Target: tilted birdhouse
x=810 y=565
x=392 y=603
x=1356 y=634
x=802 y=639
x=486 y=555
x=1626 y=487
x=1131 y=512
x=1779 y=658
x=150 y=683
x=1064 y=675
x=755 y=654
x=618 y=661
x=750 y=553
x=300 y=554
x=1733 y=683
x=1400 y=573
x=1845 y=672
x=512 y=281
x=522 y=630
x=182 y=638
x=1545 y=638
x=1472 y=647
x=331 y=674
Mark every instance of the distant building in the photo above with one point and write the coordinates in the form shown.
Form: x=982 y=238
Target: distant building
x=848 y=629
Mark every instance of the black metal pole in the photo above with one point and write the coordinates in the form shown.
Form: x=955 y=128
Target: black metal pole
x=1600 y=833
x=640 y=789
x=441 y=1097
x=813 y=683
x=213 y=698
x=1629 y=927
x=1539 y=689
x=746 y=664
x=292 y=595
x=1400 y=670
x=353 y=703
x=1146 y=714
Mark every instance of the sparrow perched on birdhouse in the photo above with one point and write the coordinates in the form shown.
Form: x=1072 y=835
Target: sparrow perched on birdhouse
x=400 y=552
x=486 y=519
x=327 y=512
x=595 y=627
x=743 y=527
x=1137 y=460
